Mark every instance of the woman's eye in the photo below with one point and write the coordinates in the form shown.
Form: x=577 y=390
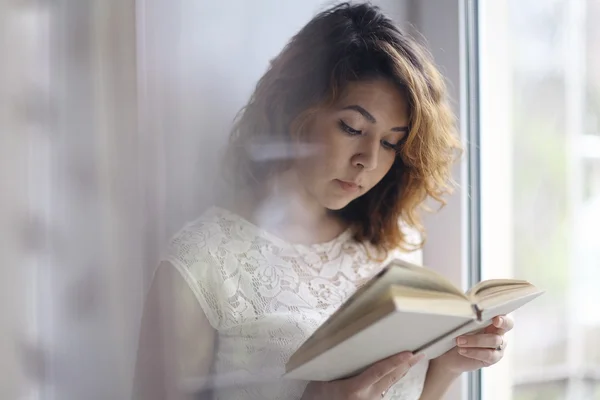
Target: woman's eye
x=390 y=146
x=348 y=129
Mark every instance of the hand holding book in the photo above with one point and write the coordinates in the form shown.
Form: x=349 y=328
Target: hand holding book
x=472 y=352
x=477 y=351
x=370 y=384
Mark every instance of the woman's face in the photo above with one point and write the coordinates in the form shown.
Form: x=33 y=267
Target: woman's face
x=355 y=143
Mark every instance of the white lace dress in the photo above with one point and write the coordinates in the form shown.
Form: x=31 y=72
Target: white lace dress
x=265 y=296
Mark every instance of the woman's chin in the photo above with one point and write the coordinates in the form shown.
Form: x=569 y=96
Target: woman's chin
x=335 y=204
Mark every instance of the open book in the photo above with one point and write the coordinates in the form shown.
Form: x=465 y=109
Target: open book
x=403 y=308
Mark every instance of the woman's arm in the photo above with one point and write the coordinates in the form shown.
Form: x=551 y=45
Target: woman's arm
x=437 y=382
x=176 y=340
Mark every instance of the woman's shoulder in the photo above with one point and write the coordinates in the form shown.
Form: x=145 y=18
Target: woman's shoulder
x=195 y=251
x=203 y=236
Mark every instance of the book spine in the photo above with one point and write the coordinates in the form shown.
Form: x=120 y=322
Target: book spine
x=477 y=311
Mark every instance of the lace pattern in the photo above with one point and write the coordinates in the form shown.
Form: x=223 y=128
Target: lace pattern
x=265 y=297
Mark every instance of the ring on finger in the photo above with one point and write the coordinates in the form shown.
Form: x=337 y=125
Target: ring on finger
x=501 y=347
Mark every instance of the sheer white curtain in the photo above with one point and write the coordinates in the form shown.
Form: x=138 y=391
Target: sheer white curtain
x=16 y=320
x=113 y=115
x=79 y=210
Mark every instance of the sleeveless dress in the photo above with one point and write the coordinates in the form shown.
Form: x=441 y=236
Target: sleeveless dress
x=264 y=297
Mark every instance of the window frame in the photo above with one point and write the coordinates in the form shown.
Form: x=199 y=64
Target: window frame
x=473 y=121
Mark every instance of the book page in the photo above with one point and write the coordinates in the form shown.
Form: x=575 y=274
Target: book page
x=495 y=283
x=407 y=274
x=497 y=297
x=494 y=287
x=429 y=302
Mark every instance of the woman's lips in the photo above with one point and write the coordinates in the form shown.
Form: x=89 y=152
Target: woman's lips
x=350 y=187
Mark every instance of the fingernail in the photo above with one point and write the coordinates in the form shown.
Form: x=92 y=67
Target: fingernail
x=415 y=359
x=461 y=341
x=462 y=351
x=500 y=322
x=404 y=357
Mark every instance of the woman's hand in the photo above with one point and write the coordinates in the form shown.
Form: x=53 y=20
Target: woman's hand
x=371 y=384
x=477 y=351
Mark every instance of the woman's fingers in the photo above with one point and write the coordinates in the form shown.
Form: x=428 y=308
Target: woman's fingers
x=395 y=375
x=500 y=325
x=482 y=340
x=486 y=356
x=380 y=369
x=504 y=322
x=396 y=364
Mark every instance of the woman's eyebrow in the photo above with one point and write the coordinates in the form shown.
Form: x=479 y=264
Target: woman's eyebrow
x=368 y=116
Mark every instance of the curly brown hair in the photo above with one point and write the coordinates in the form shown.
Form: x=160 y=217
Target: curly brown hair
x=344 y=44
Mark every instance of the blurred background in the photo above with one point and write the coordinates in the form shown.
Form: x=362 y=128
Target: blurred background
x=540 y=191
x=113 y=116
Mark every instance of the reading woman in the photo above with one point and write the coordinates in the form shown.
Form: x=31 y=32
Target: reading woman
x=359 y=131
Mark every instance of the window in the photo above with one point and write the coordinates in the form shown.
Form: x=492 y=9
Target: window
x=539 y=176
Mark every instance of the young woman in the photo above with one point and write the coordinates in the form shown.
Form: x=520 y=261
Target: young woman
x=346 y=135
